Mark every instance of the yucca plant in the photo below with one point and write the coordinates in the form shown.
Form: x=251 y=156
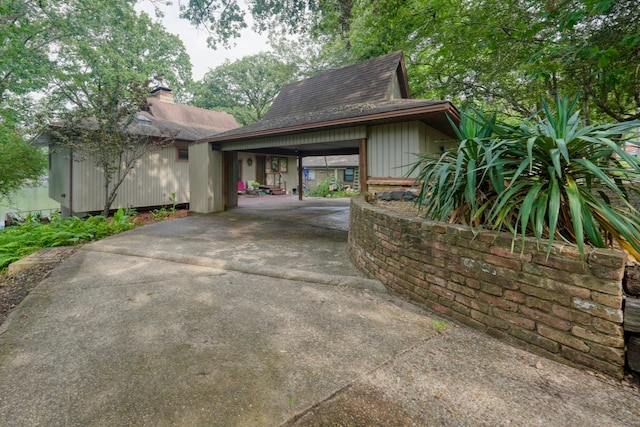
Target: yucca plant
x=549 y=177
x=571 y=181
x=455 y=183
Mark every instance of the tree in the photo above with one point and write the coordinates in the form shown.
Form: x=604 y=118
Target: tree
x=19 y=162
x=26 y=29
x=596 y=49
x=224 y=19
x=106 y=134
x=246 y=87
x=101 y=83
x=312 y=54
x=509 y=55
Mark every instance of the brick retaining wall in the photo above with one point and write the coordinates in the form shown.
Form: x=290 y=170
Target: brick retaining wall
x=556 y=306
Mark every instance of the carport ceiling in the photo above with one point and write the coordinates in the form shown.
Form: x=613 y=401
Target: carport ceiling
x=318 y=149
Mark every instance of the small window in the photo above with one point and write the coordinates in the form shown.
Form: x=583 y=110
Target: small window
x=279 y=164
x=348 y=175
x=182 y=154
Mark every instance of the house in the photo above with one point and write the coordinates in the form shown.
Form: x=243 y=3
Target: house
x=365 y=109
x=78 y=185
x=341 y=170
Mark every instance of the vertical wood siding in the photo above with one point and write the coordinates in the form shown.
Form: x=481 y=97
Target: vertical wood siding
x=59 y=175
x=200 y=178
x=392 y=148
x=156 y=175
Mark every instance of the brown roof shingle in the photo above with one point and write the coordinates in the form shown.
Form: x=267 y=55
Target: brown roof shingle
x=355 y=95
x=200 y=119
x=368 y=81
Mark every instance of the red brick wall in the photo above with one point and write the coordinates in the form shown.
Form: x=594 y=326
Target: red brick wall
x=557 y=306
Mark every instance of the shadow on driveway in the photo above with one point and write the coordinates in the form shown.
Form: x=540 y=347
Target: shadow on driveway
x=255 y=317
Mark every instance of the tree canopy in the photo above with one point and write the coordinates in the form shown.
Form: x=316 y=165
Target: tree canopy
x=224 y=19
x=505 y=56
x=244 y=88
x=102 y=80
x=72 y=60
x=26 y=29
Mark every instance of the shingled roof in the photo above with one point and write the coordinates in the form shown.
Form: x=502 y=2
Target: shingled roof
x=366 y=82
x=161 y=119
x=198 y=121
x=371 y=92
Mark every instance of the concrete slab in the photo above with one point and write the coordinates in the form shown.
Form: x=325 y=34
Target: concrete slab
x=113 y=340
x=195 y=322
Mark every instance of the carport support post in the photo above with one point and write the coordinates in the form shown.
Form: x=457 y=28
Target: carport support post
x=362 y=165
x=300 y=183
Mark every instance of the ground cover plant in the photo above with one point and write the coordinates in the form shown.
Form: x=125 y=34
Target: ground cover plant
x=21 y=241
x=549 y=176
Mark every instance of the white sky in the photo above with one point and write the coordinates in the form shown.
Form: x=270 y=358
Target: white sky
x=195 y=40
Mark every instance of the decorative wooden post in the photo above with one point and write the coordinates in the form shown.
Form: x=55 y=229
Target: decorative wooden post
x=300 y=183
x=362 y=165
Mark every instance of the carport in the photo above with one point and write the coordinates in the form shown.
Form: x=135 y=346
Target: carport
x=363 y=109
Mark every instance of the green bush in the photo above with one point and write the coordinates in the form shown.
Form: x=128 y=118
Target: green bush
x=23 y=240
x=548 y=177
x=329 y=188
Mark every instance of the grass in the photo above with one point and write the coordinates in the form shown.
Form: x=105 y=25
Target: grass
x=440 y=325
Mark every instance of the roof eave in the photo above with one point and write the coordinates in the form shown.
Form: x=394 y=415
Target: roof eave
x=444 y=108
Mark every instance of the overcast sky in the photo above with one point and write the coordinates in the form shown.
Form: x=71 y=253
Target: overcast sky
x=195 y=41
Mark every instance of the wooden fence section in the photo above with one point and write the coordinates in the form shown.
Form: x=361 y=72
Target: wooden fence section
x=558 y=306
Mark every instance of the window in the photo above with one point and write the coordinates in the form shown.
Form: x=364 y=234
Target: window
x=182 y=153
x=279 y=164
x=348 y=175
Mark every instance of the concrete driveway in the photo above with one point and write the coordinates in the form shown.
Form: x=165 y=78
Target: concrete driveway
x=256 y=317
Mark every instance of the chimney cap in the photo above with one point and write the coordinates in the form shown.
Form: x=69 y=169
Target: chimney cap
x=161 y=89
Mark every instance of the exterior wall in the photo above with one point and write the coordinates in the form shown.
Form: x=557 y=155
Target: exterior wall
x=391 y=152
x=156 y=175
x=205 y=176
x=248 y=172
x=391 y=148
x=434 y=141
x=396 y=93
x=556 y=306
x=59 y=161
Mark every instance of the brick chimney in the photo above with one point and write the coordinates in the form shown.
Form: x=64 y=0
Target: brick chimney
x=163 y=94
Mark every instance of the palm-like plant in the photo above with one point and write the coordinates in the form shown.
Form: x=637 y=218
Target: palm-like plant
x=549 y=177
x=458 y=181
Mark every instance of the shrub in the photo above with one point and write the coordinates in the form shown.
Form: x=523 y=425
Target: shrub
x=21 y=241
x=330 y=188
x=549 y=177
